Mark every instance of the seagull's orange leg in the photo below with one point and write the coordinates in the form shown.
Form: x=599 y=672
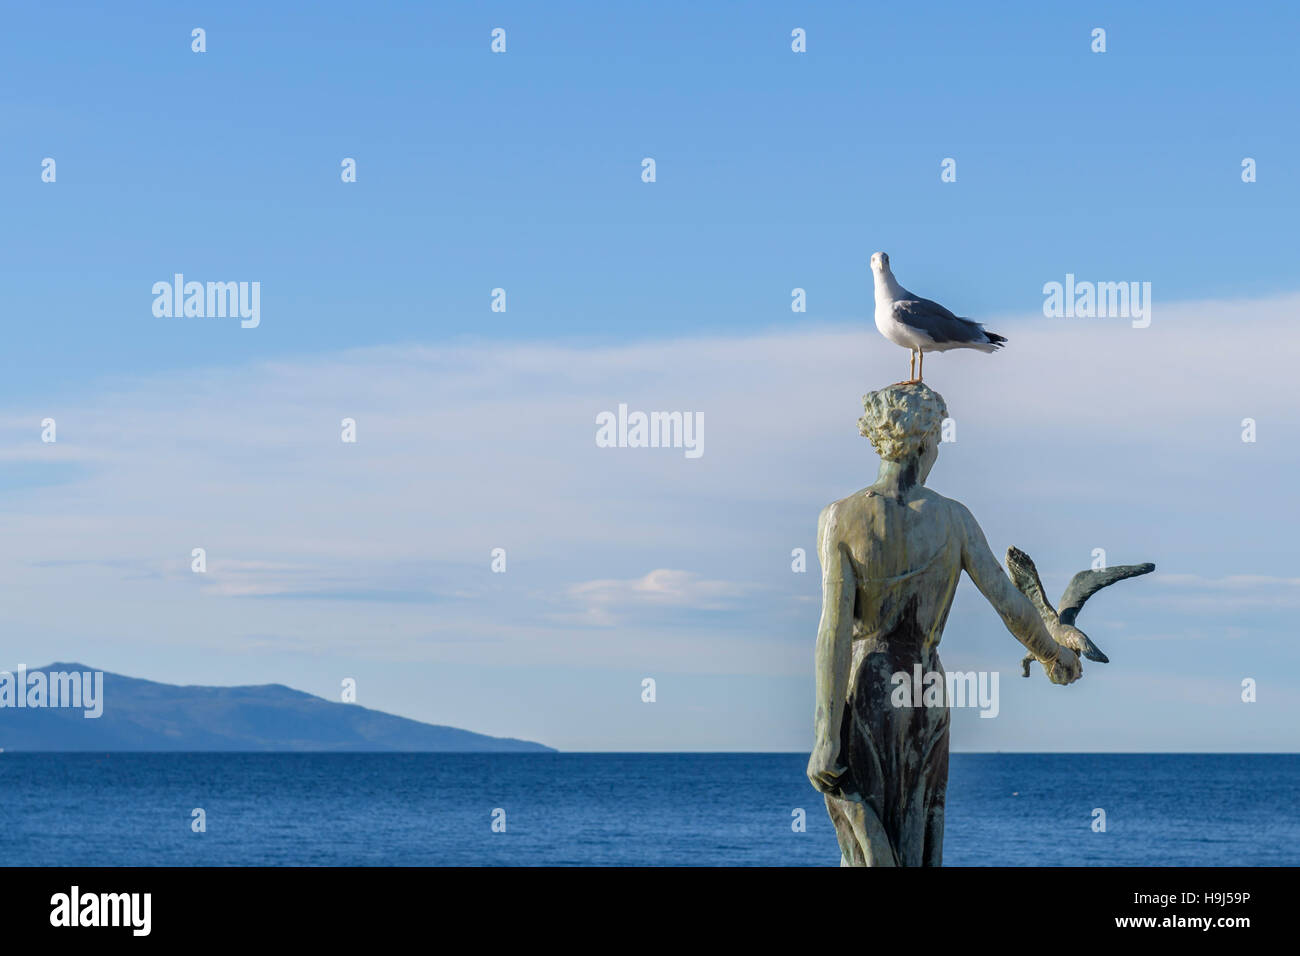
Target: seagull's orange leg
x=922 y=374
x=911 y=368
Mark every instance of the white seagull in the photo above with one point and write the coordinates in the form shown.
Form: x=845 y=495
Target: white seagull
x=920 y=325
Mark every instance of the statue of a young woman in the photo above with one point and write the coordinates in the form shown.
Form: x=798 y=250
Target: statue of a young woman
x=891 y=555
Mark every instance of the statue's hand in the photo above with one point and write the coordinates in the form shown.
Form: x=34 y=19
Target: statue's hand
x=824 y=768
x=1065 y=668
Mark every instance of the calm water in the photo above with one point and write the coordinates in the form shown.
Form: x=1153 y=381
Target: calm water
x=603 y=809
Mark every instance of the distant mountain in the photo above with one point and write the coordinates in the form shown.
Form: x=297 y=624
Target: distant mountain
x=145 y=715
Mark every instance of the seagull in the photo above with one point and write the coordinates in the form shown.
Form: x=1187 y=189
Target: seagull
x=920 y=325
x=1081 y=587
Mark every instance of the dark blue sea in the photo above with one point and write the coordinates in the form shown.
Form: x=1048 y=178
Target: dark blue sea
x=624 y=809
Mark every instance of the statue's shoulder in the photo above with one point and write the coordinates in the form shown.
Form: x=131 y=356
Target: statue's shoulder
x=940 y=501
x=840 y=512
x=956 y=511
x=848 y=505
x=861 y=504
x=847 y=513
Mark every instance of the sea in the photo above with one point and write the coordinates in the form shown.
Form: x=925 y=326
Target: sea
x=575 y=809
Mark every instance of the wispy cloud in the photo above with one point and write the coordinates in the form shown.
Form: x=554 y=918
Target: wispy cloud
x=381 y=549
x=605 y=601
x=1234 y=591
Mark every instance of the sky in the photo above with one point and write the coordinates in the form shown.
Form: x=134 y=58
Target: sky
x=523 y=171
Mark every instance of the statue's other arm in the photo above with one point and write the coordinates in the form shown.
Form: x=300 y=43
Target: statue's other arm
x=1019 y=615
x=834 y=652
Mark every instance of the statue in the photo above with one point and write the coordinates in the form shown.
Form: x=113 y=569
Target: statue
x=891 y=555
x=1081 y=587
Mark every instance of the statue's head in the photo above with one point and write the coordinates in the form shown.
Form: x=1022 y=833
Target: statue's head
x=904 y=423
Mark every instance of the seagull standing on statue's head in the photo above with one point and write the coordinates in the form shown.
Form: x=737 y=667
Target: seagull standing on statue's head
x=920 y=325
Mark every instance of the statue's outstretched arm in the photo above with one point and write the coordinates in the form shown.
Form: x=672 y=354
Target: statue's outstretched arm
x=1019 y=615
x=834 y=654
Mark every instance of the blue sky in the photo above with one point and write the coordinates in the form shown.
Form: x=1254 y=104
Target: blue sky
x=775 y=170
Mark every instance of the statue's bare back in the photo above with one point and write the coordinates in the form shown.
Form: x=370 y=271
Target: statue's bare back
x=887 y=578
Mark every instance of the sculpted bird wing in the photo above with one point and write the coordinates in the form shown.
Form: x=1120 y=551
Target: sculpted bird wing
x=1087 y=583
x=1025 y=577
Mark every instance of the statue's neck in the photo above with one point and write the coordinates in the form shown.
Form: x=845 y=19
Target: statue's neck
x=897 y=478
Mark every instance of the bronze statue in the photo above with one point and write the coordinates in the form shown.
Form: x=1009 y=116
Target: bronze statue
x=891 y=555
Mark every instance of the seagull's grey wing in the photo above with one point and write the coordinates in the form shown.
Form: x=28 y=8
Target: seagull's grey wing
x=1087 y=583
x=938 y=323
x=1025 y=577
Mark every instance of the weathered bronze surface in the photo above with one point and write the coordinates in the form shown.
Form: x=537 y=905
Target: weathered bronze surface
x=891 y=555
